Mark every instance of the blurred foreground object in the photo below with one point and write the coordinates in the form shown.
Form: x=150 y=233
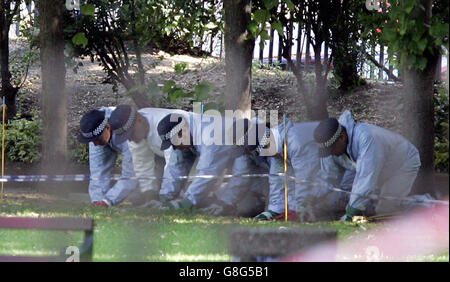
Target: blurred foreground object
x=268 y=244
x=418 y=234
x=69 y=254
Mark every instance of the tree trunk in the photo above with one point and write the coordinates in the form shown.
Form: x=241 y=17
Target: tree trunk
x=137 y=47
x=372 y=52
x=419 y=114
x=298 y=56
x=238 y=55
x=141 y=70
x=419 y=117
x=261 y=52
x=380 y=70
x=54 y=101
x=391 y=70
x=438 y=70
x=272 y=33
x=290 y=30
x=221 y=45
x=319 y=111
x=280 y=49
x=7 y=90
x=281 y=44
x=308 y=47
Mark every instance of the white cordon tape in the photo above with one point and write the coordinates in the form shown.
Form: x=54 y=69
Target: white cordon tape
x=87 y=177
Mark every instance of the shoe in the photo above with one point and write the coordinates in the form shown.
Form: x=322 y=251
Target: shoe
x=102 y=203
x=291 y=216
x=267 y=215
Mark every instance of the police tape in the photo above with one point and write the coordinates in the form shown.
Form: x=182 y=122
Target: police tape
x=117 y=177
x=87 y=177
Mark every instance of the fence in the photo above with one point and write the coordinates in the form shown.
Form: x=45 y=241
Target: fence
x=271 y=53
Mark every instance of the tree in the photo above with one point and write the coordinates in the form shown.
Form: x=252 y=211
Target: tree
x=316 y=15
x=345 y=27
x=54 y=101
x=312 y=15
x=415 y=32
x=418 y=79
x=239 y=47
x=8 y=10
x=109 y=31
x=100 y=31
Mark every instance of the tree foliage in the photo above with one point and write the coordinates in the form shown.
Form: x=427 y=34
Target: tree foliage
x=345 y=42
x=311 y=16
x=409 y=37
x=110 y=31
x=9 y=10
x=441 y=142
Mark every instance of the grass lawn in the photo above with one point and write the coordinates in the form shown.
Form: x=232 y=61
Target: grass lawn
x=125 y=233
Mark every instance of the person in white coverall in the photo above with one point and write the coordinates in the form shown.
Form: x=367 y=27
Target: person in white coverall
x=384 y=162
x=190 y=140
x=104 y=150
x=303 y=164
x=138 y=127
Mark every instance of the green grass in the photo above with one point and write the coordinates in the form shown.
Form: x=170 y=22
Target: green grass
x=133 y=234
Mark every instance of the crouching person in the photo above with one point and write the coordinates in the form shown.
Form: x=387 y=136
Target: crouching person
x=138 y=128
x=185 y=136
x=304 y=202
x=103 y=152
x=385 y=165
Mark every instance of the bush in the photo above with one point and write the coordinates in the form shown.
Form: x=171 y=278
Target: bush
x=180 y=68
x=78 y=152
x=23 y=143
x=23 y=140
x=441 y=155
x=441 y=129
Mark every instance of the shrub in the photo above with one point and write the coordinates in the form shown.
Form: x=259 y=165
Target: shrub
x=23 y=140
x=78 y=152
x=441 y=129
x=180 y=68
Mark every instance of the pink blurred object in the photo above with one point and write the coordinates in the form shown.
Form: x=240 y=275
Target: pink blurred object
x=421 y=233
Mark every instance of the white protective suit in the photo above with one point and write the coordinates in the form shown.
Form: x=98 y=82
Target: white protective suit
x=144 y=152
x=212 y=160
x=102 y=160
x=385 y=164
x=304 y=165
